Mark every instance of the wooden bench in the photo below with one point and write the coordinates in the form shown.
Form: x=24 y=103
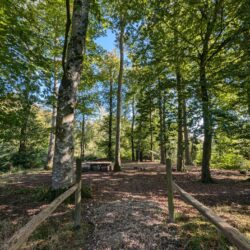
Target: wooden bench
x=97 y=166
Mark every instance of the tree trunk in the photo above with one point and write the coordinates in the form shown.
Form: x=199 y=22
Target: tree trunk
x=139 y=142
x=188 y=159
x=51 y=149
x=207 y=120
x=141 y=156
x=164 y=127
x=177 y=59
x=63 y=175
x=151 y=131
x=207 y=124
x=23 y=137
x=161 y=135
x=132 y=130
x=23 y=133
x=117 y=165
x=83 y=138
x=194 y=148
x=248 y=99
x=179 y=121
x=110 y=151
x=137 y=154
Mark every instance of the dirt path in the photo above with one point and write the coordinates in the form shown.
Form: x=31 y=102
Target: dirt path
x=129 y=211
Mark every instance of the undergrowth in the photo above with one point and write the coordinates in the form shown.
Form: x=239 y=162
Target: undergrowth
x=200 y=234
x=46 y=194
x=58 y=232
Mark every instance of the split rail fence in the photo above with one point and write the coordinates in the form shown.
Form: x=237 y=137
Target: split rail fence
x=232 y=234
x=22 y=235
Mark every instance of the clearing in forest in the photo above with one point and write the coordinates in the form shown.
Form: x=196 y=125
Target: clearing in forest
x=128 y=210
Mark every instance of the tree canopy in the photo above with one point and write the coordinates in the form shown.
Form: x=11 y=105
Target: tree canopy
x=175 y=87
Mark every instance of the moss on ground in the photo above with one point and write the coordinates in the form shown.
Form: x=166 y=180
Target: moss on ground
x=200 y=234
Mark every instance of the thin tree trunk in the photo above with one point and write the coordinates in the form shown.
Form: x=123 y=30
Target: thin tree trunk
x=207 y=143
x=117 y=165
x=137 y=153
x=23 y=136
x=194 y=148
x=162 y=149
x=248 y=99
x=141 y=156
x=110 y=151
x=23 y=133
x=180 y=148
x=179 y=121
x=132 y=129
x=139 y=143
x=51 y=149
x=188 y=159
x=164 y=127
x=83 y=138
x=151 y=131
x=63 y=175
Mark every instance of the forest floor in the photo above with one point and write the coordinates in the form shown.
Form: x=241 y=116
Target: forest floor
x=128 y=209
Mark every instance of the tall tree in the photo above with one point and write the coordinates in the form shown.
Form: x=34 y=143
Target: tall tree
x=117 y=164
x=51 y=148
x=63 y=168
x=188 y=159
x=162 y=127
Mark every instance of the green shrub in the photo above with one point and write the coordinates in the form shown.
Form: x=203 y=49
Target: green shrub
x=6 y=154
x=29 y=159
x=47 y=194
x=227 y=161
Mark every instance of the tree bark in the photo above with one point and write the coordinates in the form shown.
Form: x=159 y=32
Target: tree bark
x=25 y=118
x=51 y=149
x=179 y=121
x=188 y=159
x=207 y=126
x=23 y=137
x=117 y=165
x=161 y=135
x=164 y=127
x=139 y=143
x=248 y=99
x=132 y=130
x=63 y=168
x=83 y=138
x=179 y=87
x=110 y=151
x=207 y=121
x=151 y=130
x=194 y=148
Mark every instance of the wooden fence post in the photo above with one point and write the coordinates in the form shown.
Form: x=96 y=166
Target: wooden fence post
x=78 y=196
x=231 y=233
x=22 y=235
x=170 y=191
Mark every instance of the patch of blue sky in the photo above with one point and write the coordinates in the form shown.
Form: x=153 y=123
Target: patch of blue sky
x=107 y=41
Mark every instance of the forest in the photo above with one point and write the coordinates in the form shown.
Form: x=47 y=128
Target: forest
x=142 y=84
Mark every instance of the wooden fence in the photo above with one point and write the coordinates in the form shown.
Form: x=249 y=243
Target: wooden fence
x=232 y=234
x=22 y=235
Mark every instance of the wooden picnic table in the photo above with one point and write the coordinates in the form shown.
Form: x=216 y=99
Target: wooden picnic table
x=97 y=165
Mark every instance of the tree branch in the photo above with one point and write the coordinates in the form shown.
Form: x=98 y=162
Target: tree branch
x=225 y=42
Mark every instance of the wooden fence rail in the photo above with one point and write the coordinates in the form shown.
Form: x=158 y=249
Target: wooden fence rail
x=231 y=233
x=22 y=235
